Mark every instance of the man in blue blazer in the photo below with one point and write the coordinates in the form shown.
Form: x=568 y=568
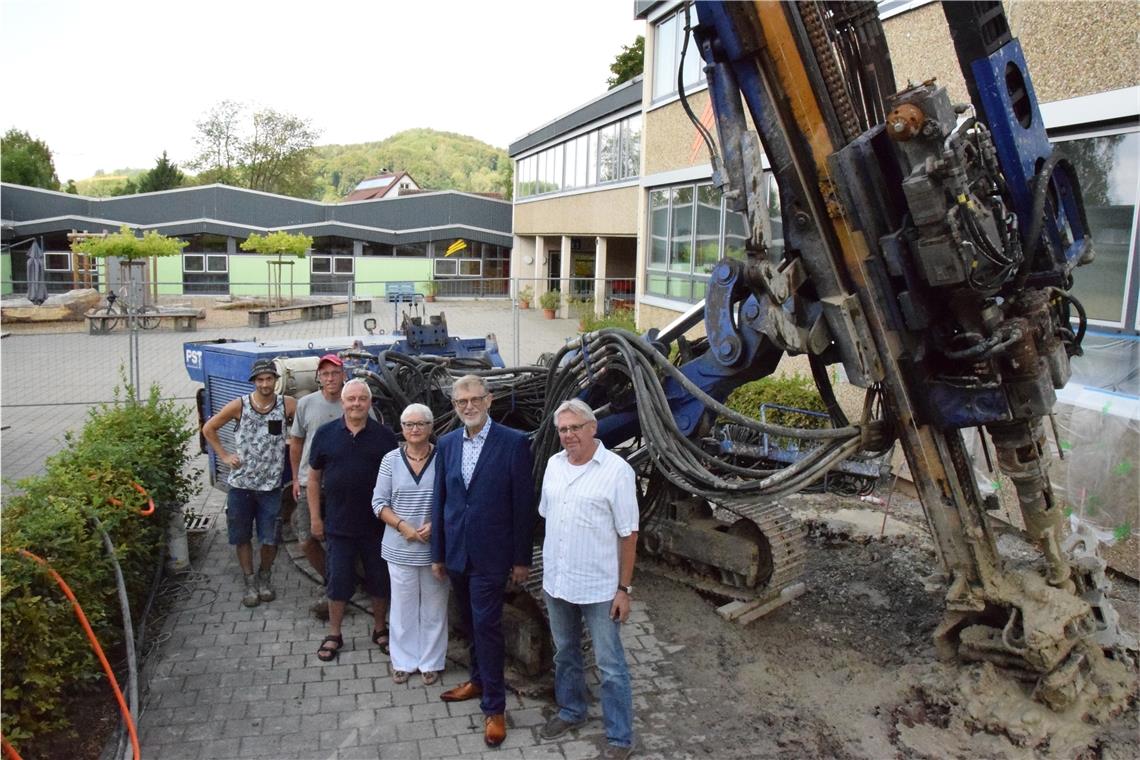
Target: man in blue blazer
x=482 y=527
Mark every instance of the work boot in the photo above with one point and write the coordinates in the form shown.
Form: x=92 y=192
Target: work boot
x=251 y=598
x=265 y=590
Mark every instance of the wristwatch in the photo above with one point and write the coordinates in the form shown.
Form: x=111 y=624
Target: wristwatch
x=627 y=589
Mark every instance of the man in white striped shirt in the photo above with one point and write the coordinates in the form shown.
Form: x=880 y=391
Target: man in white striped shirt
x=589 y=501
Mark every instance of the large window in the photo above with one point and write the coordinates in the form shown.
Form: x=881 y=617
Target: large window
x=207 y=273
x=608 y=154
x=669 y=37
x=330 y=275
x=1106 y=167
x=690 y=230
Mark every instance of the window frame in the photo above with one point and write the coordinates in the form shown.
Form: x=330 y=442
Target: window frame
x=674 y=283
x=664 y=91
x=68 y=255
x=1129 y=301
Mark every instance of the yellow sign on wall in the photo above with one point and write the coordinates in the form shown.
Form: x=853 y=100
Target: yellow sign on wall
x=455 y=247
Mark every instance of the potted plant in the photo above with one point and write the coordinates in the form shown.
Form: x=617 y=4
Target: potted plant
x=549 y=301
x=526 y=293
x=430 y=289
x=582 y=308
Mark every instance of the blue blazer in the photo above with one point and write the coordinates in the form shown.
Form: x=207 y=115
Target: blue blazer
x=491 y=524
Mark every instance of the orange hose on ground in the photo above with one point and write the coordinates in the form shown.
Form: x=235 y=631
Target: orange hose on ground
x=9 y=751
x=94 y=645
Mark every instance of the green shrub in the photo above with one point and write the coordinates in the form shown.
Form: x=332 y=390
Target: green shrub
x=794 y=391
x=621 y=318
x=46 y=655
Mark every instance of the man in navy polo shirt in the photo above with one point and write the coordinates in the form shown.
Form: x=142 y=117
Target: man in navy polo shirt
x=343 y=461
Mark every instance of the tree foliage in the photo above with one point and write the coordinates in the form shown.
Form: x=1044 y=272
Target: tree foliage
x=219 y=145
x=436 y=160
x=126 y=245
x=106 y=185
x=164 y=176
x=25 y=160
x=269 y=152
x=629 y=63
x=129 y=187
x=278 y=244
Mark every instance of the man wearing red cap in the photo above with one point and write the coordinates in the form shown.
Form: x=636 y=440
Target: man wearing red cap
x=313 y=411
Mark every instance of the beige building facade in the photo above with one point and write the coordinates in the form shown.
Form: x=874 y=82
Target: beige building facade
x=656 y=218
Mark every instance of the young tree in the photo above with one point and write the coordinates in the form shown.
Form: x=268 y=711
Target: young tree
x=278 y=244
x=164 y=176
x=27 y=161
x=630 y=62
x=126 y=245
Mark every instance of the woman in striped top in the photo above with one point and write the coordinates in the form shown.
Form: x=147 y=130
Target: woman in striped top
x=402 y=501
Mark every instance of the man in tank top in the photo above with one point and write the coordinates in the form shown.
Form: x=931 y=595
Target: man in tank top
x=256 y=466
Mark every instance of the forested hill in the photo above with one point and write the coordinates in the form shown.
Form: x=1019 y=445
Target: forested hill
x=436 y=161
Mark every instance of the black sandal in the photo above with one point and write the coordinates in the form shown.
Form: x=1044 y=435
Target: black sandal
x=376 y=639
x=327 y=653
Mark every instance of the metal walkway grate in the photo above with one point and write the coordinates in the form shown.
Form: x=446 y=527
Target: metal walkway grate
x=198 y=523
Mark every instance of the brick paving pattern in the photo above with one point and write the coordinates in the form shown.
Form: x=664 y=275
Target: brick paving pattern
x=226 y=681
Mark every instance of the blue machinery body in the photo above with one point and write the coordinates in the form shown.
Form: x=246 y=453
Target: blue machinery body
x=223 y=366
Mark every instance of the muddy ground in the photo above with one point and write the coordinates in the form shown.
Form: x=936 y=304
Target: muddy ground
x=849 y=670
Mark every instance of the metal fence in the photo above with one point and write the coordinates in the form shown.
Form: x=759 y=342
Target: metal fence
x=52 y=372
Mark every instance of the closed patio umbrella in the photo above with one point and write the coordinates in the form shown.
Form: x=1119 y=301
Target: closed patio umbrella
x=37 y=286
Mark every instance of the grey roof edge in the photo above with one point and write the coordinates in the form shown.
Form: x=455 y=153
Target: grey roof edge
x=422 y=194
x=37 y=211
x=443 y=231
x=623 y=96
x=232 y=188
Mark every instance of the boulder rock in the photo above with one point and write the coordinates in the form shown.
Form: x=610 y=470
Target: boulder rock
x=64 y=307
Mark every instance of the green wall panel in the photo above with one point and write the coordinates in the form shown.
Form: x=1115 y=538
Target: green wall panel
x=170 y=276
x=373 y=271
x=249 y=275
x=6 y=273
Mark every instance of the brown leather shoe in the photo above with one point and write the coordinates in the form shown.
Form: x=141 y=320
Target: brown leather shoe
x=494 y=730
x=462 y=693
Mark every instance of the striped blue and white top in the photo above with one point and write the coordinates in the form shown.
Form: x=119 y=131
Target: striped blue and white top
x=410 y=497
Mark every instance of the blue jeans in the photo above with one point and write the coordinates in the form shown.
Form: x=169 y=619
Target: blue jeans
x=569 y=675
x=244 y=508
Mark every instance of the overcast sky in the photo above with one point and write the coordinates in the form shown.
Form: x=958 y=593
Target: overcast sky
x=113 y=83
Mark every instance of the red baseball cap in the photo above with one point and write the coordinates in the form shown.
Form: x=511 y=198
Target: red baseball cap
x=332 y=359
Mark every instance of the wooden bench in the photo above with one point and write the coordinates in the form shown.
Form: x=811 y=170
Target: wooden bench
x=183 y=320
x=306 y=312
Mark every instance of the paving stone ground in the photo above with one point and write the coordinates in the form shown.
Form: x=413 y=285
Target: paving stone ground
x=233 y=682
x=226 y=681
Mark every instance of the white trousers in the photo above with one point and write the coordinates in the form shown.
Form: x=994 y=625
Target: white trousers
x=418 y=619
